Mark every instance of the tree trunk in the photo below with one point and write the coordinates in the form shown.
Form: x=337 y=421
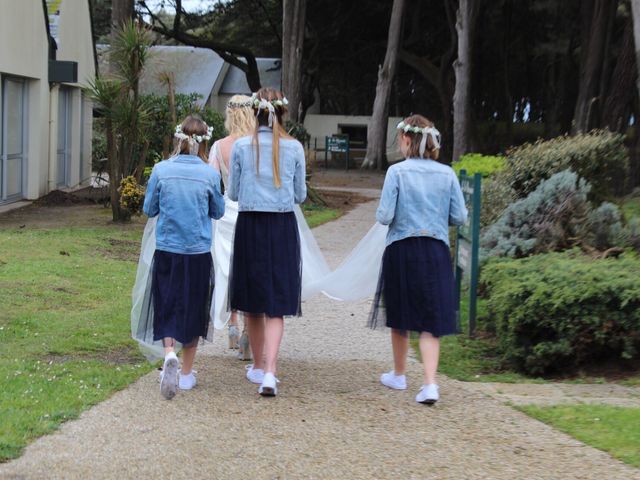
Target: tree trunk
x=121 y=11
x=465 y=25
x=635 y=8
x=618 y=105
x=595 y=25
x=294 y=15
x=376 y=155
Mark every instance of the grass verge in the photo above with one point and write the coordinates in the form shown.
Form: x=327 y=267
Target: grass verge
x=64 y=325
x=316 y=215
x=615 y=430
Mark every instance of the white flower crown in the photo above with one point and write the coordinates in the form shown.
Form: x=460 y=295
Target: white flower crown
x=231 y=104
x=261 y=103
x=180 y=135
x=426 y=131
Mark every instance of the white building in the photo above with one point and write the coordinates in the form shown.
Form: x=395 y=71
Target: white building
x=202 y=71
x=46 y=56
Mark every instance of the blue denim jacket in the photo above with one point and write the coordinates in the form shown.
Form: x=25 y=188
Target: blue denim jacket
x=185 y=192
x=257 y=192
x=421 y=198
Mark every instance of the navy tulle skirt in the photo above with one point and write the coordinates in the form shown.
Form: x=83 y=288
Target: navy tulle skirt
x=266 y=268
x=416 y=288
x=181 y=291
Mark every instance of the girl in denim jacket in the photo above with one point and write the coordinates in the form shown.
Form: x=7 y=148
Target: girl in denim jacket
x=184 y=192
x=267 y=178
x=420 y=199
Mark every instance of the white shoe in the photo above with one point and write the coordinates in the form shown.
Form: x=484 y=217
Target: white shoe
x=187 y=382
x=169 y=376
x=428 y=394
x=269 y=387
x=391 y=380
x=254 y=375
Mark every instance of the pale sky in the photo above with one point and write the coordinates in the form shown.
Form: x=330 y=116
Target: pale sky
x=189 y=5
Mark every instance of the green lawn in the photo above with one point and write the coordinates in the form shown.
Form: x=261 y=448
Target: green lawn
x=317 y=215
x=64 y=325
x=615 y=430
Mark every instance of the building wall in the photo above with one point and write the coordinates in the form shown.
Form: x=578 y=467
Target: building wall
x=75 y=43
x=24 y=51
x=24 y=54
x=321 y=126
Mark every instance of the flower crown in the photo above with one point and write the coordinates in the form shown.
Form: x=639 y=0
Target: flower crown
x=261 y=103
x=231 y=104
x=425 y=132
x=180 y=135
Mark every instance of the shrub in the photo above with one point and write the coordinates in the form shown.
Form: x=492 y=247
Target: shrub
x=160 y=135
x=605 y=225
x=131 y=195
x=558 y=311
x=476 y=163
x=599 y=157
x=298 y=131
x=550 y=218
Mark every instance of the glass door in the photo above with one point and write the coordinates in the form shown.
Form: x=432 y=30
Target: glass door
x=14 y=144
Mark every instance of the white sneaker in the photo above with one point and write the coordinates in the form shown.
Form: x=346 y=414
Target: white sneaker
x=187 y=382
x=269 y=387
x=254 y=375
x=428 y=394
x=391 y=380
x=169 y=376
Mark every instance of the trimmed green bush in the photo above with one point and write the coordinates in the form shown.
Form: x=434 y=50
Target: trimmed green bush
x=600 y=157
x=558 y=311
x=473 y=163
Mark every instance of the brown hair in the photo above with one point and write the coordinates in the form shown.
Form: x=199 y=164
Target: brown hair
x=192 y=125
x=414 y=147
x=271 y=95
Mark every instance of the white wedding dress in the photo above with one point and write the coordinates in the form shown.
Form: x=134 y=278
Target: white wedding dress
x=355 y=279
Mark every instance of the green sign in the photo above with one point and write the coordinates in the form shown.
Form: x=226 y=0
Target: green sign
x=467 y=245
x=337 y=144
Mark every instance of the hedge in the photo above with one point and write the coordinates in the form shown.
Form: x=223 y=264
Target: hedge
x=558 y=311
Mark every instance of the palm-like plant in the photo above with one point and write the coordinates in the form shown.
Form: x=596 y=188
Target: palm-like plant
x=126 y=113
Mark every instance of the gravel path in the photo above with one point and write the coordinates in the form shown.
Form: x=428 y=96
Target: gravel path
x=331 y=419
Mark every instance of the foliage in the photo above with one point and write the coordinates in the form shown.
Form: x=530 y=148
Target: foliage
x=98 y=145
x=65 y=345
x=473 y=163
x=131 y=195
x=600 y=157
x=558 y=311
x=605 y=227
x=551 y=218
x=126 y=114
x=615 y=430
x=298 y=131
x=162 y=128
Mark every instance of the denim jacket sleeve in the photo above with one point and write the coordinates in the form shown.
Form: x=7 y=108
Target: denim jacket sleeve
x=216 y=200
x=234 y=174
x=388 y=200
x=457 y=209
x=299 y=178
x=151 y=205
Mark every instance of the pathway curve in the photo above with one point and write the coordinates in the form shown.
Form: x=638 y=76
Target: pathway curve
x=330 y=420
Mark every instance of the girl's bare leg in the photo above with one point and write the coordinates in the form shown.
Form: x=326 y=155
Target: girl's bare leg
x=430 y=352
x=256 y=330
x=400 y=347
x=273 y=336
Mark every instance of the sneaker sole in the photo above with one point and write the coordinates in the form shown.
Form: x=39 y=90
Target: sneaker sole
x=428 y=402
x=267 y=392
x=393 y=387
x=169 y=383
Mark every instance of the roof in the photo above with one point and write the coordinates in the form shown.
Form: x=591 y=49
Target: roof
x=195 y=70
x=235 y=82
